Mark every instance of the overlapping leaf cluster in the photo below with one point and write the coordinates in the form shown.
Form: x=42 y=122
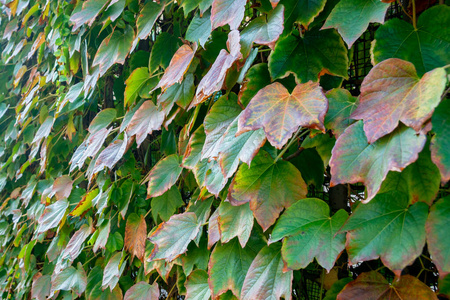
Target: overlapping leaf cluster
x=155 y=149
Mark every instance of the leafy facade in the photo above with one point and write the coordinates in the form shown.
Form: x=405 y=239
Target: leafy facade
x=220 y=149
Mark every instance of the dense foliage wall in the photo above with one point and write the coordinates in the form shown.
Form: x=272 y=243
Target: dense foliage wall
x=219 y=149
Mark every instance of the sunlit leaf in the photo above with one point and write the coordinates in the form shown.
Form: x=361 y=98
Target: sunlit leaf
x=70 y=279
x=197 y=287
x=112 y=271
x=229 y=12
x=52 y=215
x=216 y=122
x=102 y=120
x=41 y=287
x=144 y=121
x=355 y=160
x=178 y=66
x=88 y=13
x=147 y=18
x=214 y=79
x=163 y=175
x=62 y=187
x=352 y=17
x=199 y=29
x=263 y=30
x=393 y=92
x=172 y=238
x=281 y=113
x=235 y=221
x=114 y=49
x=74 y=247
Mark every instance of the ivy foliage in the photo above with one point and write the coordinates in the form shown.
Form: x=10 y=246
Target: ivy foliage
x=212 y=149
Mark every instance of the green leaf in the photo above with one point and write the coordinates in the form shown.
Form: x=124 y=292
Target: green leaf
x=387 y=228
x=318 y=52
x=308 y=223
x=163 y=50
x=144 y=121
x=437 y=234
x=114 y=49
x=52 y=215
x=194 y=148
x=311 y=166
x=336 y=288
x=135 y=235
x=75 y=245
x=70 y=279
x=228 y=266
x=257 y=77
x=143 y=291
x=355 y=160
x=113 y=271
x=269 y=187
x=115 y=242
x=216 y=122
x=393 y=92
x=235 y=221
x=163 y=175
x=341 y=105
x=352 y=17
x=172 y=238
x=229 y=12
x=111 y=155
x=195 y=256
x=420 y=180
x=263 y=30
x=372 y=285
x=303 y=11
x=199 y=29
x=166 y=204
x=103 y=235
x=88 y=13
x=147 y=18
x=234 y=149
x=265 y=278
x=197 y=287
x=102 y=120
x=281 y=113
x=135 y=82
x=439 y=142
x=427 y=47
x=323 y=144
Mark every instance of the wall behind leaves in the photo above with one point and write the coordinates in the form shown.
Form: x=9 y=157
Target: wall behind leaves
x=223 y=149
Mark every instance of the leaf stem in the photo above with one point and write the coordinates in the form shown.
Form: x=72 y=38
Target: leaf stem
x=414 y=14
x=289 y=144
